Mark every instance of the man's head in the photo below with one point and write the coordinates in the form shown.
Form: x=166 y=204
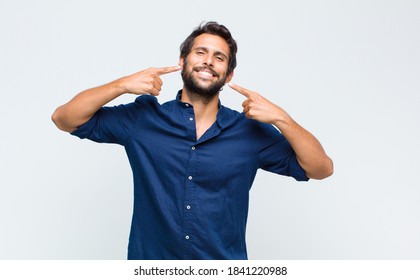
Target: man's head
x=213 y=28
x=208 y=58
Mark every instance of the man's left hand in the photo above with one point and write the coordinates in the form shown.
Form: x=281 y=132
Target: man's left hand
x=259 y=108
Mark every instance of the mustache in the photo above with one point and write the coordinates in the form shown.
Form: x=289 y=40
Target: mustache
x=201 y=68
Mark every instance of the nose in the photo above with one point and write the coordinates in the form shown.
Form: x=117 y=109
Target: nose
x=208 y=60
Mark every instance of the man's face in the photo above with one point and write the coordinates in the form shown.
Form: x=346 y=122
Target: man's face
x=204 y=69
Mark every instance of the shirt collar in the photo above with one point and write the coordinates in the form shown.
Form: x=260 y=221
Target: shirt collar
x=221 y=114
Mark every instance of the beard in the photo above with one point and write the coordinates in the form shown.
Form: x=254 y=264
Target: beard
x=195 y=90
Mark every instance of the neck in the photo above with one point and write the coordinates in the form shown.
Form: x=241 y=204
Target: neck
x=202 y=106
x=194 y=97
x=205 y=110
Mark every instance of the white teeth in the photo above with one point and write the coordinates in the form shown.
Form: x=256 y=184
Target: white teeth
x=206 y=73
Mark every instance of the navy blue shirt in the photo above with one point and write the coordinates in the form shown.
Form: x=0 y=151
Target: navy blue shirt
x=190 y=196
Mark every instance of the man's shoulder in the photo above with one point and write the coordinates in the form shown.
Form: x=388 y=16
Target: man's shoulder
x=146 y=98
x=152 y=100
x=229 y=111
x=231 y=117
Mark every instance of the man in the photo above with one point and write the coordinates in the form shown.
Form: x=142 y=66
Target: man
x=194 y=160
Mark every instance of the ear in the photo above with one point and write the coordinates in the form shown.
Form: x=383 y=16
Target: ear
x=229 y=77
x=181 y=62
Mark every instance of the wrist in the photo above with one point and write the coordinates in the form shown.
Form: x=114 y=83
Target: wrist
x=119 y=86
x=282 y=121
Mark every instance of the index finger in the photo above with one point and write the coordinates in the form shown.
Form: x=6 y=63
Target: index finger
x=245 y=92
x=167 y=70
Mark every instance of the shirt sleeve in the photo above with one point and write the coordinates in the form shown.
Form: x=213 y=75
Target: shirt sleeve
x=275 y=154
x=110 y=124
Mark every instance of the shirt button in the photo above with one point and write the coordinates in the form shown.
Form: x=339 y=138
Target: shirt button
x=189 y=177
x=187 y=237
x=187 y=105
x=191 y=119
x=193 y=148
x=188 y=207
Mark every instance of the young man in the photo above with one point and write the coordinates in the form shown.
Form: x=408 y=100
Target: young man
x=194 y=160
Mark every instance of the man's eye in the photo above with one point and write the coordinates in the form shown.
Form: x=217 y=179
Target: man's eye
x=200 y=52
x=219 y=58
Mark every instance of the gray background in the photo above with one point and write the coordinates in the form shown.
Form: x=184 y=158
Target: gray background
x=348 y=71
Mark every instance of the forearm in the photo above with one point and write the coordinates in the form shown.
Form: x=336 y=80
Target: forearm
x=84 y=105
x=310 y=154
x=309 y=151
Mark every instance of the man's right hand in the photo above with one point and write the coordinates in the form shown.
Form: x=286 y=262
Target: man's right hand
x=84 y=105
x=146 y=81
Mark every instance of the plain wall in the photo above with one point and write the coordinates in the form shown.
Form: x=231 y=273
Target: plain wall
x=348 y=71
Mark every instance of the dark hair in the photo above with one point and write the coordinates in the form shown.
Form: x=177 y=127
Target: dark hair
x=214 y=28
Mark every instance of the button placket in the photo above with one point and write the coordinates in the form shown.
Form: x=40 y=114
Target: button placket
x=189 y=187
x=189 y=117
x=189 y=200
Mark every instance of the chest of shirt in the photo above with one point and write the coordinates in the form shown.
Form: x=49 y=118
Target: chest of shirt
x=219 y=156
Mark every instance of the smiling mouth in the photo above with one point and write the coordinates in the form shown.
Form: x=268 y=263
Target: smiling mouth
x=205 y=72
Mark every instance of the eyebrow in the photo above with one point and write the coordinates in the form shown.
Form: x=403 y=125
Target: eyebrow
x=216 y=52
